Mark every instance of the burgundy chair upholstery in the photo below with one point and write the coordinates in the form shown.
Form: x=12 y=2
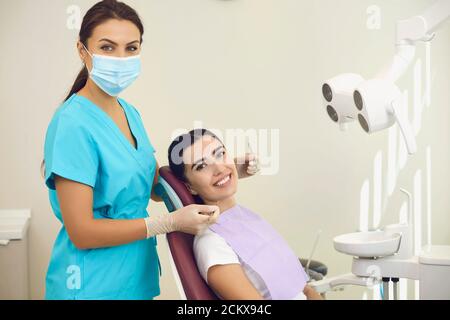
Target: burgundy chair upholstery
x=180 y=245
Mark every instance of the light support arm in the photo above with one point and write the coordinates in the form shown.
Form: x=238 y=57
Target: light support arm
x=409 y=31
x=421 y=28
x=403 y=58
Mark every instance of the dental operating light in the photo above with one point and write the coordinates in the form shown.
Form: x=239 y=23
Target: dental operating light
x=378 y=103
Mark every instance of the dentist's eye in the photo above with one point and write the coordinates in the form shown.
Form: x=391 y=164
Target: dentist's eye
x=107 y=48
x=132 y=48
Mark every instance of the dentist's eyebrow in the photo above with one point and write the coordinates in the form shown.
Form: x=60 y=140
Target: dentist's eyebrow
x=112 y=42
x=135 y=41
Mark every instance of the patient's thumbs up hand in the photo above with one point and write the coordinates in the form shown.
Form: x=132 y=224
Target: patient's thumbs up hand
x=253 y=164
x=247 y=165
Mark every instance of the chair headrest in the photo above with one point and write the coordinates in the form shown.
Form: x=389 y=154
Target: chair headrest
x=180 y=244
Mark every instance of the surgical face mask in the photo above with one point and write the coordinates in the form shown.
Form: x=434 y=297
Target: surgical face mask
x=113 y=74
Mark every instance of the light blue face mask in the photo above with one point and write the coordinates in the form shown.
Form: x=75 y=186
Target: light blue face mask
x=113 y=74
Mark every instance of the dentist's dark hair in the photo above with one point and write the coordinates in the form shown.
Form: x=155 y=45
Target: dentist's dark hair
x=177 y=147
x=96 y=15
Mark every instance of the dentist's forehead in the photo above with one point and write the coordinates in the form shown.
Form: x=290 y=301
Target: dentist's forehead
x=202 y=148
x=119 y=31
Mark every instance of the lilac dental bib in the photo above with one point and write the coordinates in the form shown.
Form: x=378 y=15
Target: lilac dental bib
x=260 y=246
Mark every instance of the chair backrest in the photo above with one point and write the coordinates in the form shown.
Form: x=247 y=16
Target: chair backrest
x=180 y=244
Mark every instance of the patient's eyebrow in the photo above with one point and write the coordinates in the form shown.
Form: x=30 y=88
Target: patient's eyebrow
x=203 y=159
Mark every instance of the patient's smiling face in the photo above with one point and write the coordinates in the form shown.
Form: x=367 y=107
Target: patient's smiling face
x=210 y=172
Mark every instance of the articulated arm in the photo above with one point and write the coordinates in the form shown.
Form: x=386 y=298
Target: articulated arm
x=422 y=27
x=329 y=284
x=409 y=31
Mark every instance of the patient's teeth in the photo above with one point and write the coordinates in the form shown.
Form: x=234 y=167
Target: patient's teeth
x=223 y=181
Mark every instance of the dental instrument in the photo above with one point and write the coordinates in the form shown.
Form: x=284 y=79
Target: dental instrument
x=316 y=241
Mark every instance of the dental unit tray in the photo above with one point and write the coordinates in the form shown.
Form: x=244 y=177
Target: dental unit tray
x=371 y=244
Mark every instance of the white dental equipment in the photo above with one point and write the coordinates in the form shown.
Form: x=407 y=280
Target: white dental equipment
x=378 y=103
x=387 y=255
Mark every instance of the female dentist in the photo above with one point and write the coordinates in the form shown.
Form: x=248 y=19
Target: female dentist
x=100 y=169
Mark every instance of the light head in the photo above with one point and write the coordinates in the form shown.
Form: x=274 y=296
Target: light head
x=337 y=96
x=380 y=104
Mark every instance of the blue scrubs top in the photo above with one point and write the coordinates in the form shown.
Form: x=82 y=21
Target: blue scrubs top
x=84 y=144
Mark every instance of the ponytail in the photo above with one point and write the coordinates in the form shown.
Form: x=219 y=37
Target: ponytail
x=79 y=83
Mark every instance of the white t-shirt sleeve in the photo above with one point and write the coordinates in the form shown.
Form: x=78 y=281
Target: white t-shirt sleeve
x=210 y=249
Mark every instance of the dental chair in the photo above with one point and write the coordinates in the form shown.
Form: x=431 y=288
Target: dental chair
x=190 y=283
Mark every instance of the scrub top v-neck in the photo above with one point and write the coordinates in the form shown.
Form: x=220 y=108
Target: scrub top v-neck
x=85 y=145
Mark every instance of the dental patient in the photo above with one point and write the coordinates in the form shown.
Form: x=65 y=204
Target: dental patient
x=241 y=256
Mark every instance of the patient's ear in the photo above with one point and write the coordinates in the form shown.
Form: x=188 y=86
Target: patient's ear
x=192 y=191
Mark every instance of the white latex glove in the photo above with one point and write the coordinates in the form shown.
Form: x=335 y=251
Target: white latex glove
x=192 y=219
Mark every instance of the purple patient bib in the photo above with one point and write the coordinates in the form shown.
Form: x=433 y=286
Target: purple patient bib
x=260 y=246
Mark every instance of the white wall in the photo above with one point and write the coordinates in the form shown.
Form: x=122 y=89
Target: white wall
x=240 y=64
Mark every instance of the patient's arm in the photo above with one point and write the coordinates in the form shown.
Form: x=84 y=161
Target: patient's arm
x=311 y=294
x=231 y=283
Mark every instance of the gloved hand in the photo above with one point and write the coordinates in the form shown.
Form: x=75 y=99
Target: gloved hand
x=195 y=218
x=191 y=219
